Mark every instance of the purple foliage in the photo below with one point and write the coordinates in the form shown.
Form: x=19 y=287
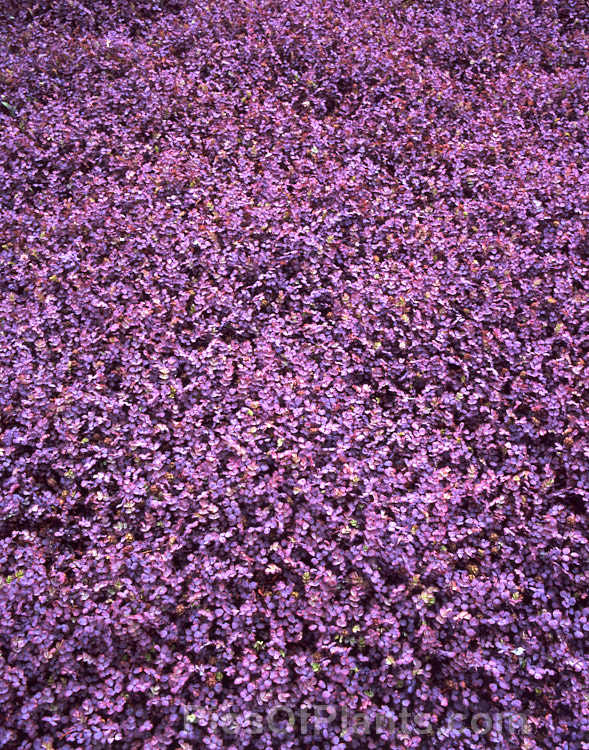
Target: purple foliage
x=294 y=367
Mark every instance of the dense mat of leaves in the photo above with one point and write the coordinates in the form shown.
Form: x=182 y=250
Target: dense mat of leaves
x=294 y=392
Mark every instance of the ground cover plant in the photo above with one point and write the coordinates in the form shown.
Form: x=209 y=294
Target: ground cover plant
x=294 y=359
